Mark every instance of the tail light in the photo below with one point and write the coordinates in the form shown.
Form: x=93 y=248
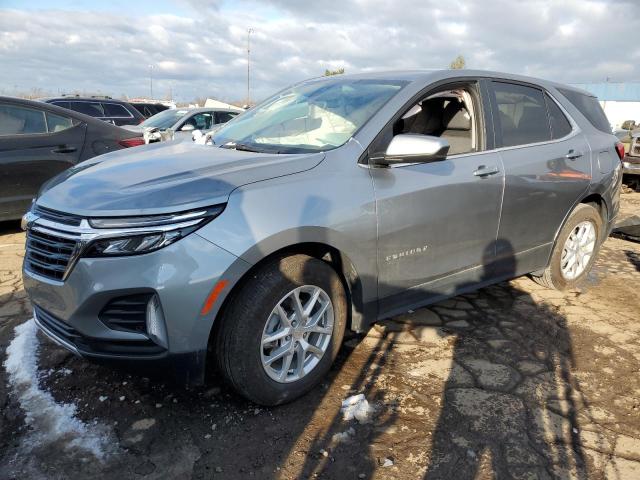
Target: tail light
x=132 y=142
x=620 y=150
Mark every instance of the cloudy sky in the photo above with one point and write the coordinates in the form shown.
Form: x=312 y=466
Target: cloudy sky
x=198 y=48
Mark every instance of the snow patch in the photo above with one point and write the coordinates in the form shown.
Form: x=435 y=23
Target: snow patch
x=50 y=421
x=356 y=407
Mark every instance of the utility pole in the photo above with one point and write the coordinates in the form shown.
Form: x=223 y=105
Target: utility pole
x=249 y=32
x=151 y=82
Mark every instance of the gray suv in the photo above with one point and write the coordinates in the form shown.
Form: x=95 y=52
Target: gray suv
x=335 y=203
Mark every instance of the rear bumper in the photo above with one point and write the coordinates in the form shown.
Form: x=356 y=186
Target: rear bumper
x=631 y=165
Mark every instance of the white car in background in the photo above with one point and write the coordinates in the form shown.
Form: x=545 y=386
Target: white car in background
x=180 y=123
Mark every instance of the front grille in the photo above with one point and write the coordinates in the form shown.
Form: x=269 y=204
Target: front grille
x=48 y=255
x=93 y=346
x=127 y=314
x=58 y=217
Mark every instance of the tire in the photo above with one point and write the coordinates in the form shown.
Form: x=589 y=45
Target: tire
x=553 y=276
x=239 y=341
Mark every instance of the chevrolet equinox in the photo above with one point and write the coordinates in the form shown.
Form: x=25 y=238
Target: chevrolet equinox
x=333 y=204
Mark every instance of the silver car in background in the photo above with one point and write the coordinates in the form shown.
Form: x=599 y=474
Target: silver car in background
x=335 y=203
x=180 y=123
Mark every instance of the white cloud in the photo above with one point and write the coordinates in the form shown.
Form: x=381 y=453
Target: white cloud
x=201 y=49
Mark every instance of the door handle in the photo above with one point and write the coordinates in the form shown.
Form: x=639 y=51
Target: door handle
x=64 y=149
x=572 y=155
x=484 y=171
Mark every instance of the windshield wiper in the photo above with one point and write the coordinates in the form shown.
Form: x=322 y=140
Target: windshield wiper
x=243 y=148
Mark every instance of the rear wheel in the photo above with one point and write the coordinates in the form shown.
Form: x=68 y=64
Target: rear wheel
x=575 y=250
x=282 y=330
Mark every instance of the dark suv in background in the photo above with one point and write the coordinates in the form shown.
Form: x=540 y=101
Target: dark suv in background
x=148 y=109
x=107 y=109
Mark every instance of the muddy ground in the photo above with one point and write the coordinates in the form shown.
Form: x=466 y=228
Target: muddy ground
x=513 y=381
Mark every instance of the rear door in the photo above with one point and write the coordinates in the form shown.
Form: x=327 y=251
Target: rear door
x=547 y=168
x=35 y=145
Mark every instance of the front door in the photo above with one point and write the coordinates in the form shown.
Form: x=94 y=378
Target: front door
x=438 y=221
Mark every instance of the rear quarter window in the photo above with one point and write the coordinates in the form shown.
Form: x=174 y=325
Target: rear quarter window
x=589 y=107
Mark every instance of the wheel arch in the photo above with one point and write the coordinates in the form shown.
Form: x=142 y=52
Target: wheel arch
x=595 y=200
x=359 y=313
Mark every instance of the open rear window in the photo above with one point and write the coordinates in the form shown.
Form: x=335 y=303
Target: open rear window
x=588 y=106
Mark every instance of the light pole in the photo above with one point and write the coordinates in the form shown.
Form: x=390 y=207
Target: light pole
x=151 y=82
x=249 y=32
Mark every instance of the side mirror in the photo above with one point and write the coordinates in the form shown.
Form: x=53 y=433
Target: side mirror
x=415 y=148
x=187 y=127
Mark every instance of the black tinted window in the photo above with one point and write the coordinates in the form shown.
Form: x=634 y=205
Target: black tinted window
x=115 y=110
x=61 y=104
x=15 y=120
x=560 y=126
x=522 y=114
x=224 y=117
x=590 y=108
x=93 y=109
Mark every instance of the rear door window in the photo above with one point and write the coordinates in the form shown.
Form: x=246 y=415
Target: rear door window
x=18 y=120
x=560 y=126
x=115 y=110
x=93 y=109
x=589 y=107
x=522 y=114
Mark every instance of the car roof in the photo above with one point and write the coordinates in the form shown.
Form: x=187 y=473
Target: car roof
x=83 y=98
x=428 y=76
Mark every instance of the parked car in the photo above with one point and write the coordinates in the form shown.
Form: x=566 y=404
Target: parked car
x=107 y=109
x=631 y=163
x=337 y=202
x=180 y=123
x=38 y=141
x=149 y=109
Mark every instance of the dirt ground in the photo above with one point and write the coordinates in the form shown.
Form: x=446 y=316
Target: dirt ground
x=512 y=381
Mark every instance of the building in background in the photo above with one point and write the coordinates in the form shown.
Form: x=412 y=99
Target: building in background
x=620 y=101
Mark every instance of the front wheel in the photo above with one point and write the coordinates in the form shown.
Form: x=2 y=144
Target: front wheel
x=282 y=330
x=575 y=250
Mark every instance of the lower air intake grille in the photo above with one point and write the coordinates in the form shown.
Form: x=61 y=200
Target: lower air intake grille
x=128 y=314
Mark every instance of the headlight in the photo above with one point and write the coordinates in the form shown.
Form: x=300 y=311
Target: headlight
x=137 y=235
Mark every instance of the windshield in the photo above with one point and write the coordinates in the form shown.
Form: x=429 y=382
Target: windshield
x=313 y=116
x=166 y=119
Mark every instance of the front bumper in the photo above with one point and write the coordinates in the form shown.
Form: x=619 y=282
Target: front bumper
x=180 y=275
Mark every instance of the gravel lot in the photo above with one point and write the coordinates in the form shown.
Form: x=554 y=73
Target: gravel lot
x=513 y=381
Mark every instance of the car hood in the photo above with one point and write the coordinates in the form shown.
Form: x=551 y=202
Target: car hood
x=163 y=178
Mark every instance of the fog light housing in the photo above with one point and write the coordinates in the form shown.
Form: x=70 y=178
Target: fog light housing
x=156 y=328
